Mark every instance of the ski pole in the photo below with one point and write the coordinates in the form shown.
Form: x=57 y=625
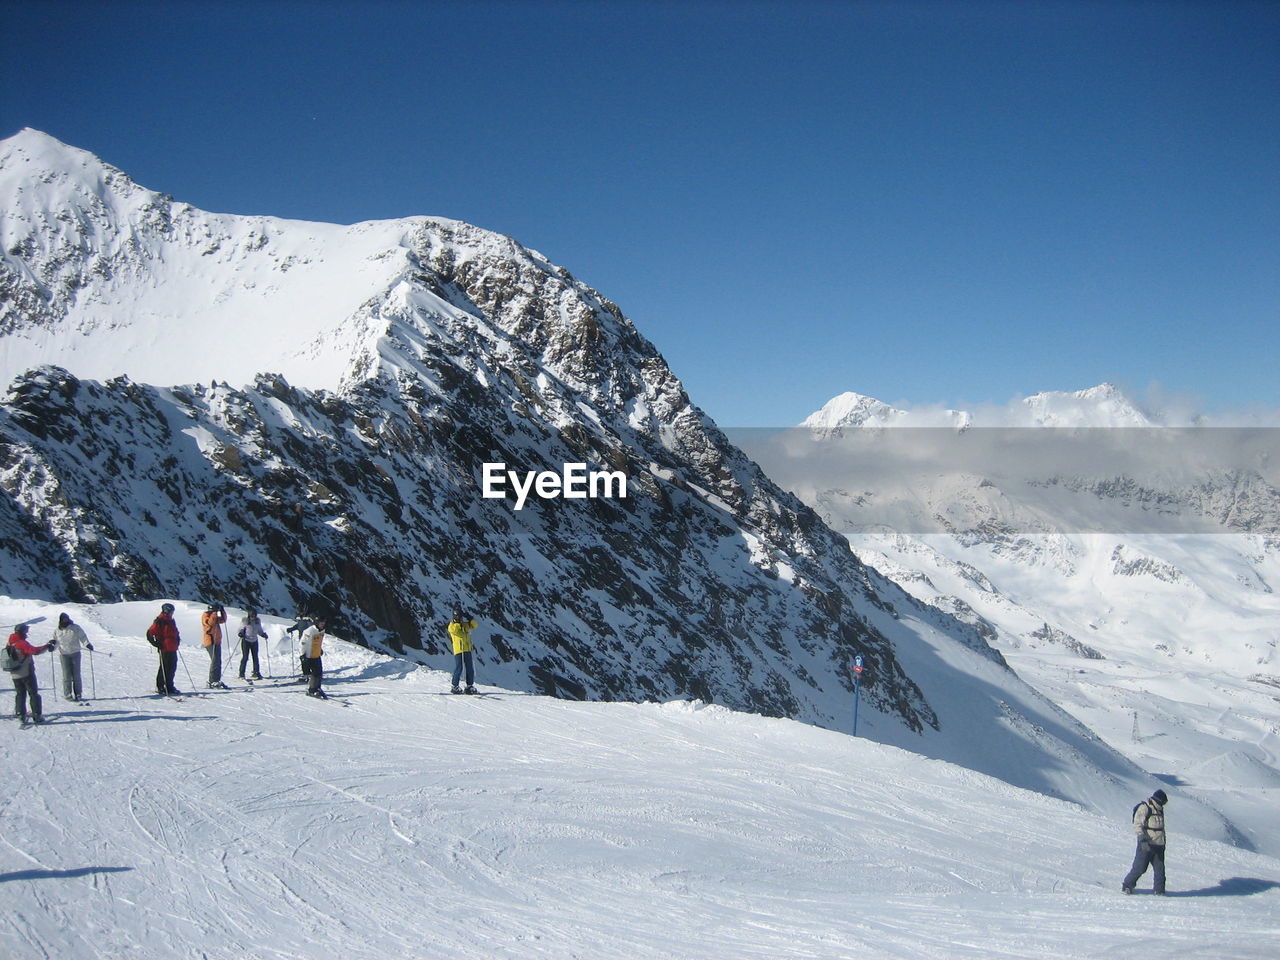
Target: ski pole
x=93 y=680
x=857 y=689
x=191 y=684
x=53 y=670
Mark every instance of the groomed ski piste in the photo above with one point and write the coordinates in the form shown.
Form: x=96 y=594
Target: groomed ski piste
x=415 y=824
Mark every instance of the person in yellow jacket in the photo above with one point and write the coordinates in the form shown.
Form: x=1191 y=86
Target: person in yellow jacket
x=211 y=622
x=312 y=652
x=460 y=628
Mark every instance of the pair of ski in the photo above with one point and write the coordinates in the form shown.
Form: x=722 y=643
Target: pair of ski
x=325 y=696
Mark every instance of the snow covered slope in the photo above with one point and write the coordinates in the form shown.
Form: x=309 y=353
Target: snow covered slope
x=1116 y=564
x=412 y=824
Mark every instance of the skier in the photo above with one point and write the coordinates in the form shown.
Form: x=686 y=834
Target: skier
x=250 y=631
x=301 y=623
x=69 y=638
x=24 y=677
x=312 y=652
x=299 y=627
x=211 y=622
x=163 y=635
x=1148 y=824
x=460 y=628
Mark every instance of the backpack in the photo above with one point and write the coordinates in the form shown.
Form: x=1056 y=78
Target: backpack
x=11 y=660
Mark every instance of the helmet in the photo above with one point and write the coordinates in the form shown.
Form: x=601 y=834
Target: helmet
x=166 y=608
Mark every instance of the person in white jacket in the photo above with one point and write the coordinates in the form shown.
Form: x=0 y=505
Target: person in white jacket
x=70 y=640
x=1148 y=824
x=312 y=654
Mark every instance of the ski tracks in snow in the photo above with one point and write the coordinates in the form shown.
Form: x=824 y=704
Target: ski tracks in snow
x=453 y=828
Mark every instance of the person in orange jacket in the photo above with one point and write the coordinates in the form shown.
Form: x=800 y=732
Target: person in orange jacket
x=24 y=677
x=211 y=622
x=163 y=635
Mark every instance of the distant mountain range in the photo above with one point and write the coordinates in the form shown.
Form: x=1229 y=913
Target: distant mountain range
x=1101 y=406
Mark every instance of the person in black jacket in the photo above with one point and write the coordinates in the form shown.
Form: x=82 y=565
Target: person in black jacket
x=1148 y=824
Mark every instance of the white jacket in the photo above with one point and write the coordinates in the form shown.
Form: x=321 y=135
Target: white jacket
x=313 y=642
x=1148 y=822
x=70 y=639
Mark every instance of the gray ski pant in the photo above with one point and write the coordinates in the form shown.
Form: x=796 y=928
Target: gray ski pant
x=70 y=675
x=1147 y=855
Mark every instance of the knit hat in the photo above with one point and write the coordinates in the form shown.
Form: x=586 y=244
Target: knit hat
x=1160 y=797
x=63 y=620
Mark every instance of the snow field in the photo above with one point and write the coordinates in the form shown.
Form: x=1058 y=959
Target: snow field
x=416 y=824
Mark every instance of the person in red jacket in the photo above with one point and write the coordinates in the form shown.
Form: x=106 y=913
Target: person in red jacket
x=163 y=635
x=24 y=678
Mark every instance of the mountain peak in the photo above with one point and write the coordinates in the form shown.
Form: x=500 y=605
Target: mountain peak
x=105 y=278
x=853 y=410
x=1105 y=405
x=32 y=155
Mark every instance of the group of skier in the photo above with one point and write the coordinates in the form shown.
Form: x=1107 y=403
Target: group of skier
x=70 y=641
x=163 y=634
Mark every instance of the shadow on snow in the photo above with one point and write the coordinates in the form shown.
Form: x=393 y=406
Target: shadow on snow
x=59 y=874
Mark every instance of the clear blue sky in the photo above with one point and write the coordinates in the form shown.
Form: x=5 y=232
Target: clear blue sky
x=926 y=202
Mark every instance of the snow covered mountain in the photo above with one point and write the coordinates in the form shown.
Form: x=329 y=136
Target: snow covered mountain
x=422 y=350
x=1125 y=568
x=1105 y=405
x=378 y=368
x=415 y=825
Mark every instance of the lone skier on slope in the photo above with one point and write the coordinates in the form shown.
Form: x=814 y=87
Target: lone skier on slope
x=1148 y=824
x=24 y=675
x=460 y=628
x=163 y=635
x=70 y=638
x=211 y=622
